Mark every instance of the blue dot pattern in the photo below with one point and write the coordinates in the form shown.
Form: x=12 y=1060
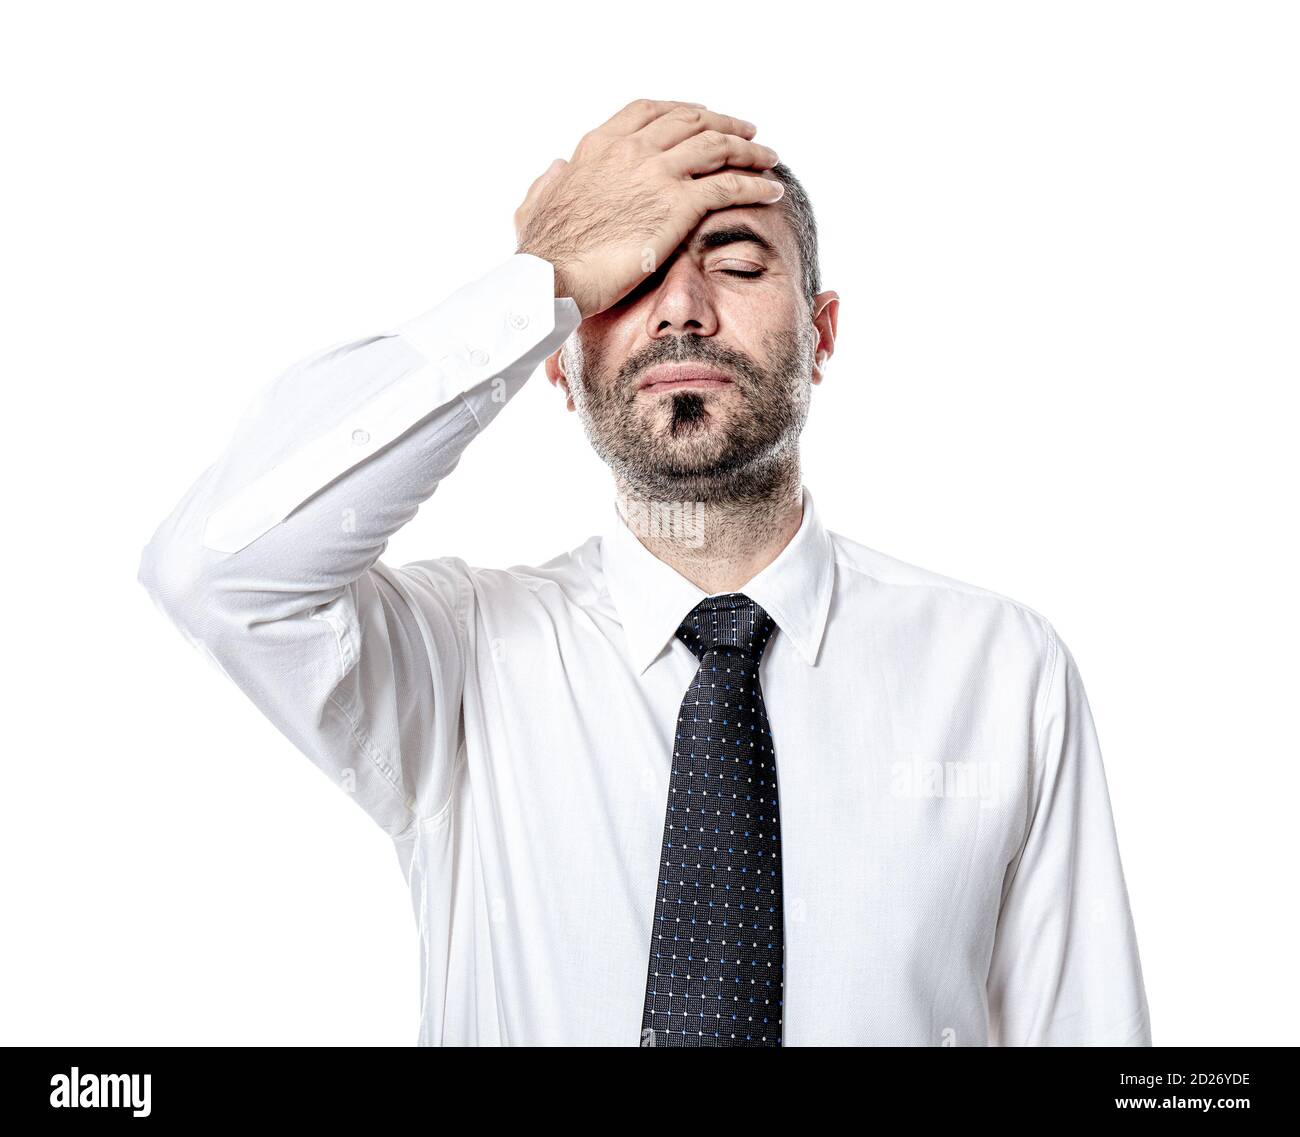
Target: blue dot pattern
x=717 y=952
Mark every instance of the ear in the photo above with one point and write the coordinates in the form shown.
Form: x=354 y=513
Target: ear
x=555 y=373
x=826 y=315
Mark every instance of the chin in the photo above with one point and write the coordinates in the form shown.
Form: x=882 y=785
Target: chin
x=691 y=460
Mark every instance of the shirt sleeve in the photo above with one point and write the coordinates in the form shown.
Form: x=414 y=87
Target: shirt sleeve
x=269 y=564
x=1065 y=969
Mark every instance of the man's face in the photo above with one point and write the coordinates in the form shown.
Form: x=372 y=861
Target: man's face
x=696 y=385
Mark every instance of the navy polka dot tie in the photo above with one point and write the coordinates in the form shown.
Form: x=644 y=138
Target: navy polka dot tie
x=717 y=951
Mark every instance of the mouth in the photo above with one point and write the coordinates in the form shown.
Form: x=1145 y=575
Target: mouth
x=677 y=376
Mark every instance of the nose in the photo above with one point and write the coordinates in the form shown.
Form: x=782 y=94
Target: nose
x=681 y=305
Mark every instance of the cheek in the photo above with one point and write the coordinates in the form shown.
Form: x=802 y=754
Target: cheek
x=606 y=345
x=780 y=348
x=750 y=319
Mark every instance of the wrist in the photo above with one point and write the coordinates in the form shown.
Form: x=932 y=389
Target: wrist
x=566 y=284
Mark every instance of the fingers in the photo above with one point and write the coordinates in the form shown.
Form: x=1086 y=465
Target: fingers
x=637 y=114
x=711 y=150
x=737 y=187
x=686 y=121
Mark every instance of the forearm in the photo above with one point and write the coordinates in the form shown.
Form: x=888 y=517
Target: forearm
x=269 y=564
x=341 y=451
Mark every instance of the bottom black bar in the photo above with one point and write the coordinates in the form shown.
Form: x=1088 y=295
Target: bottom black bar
x=162 y=1086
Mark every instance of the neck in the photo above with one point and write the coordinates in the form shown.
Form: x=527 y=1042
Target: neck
x=719 y=546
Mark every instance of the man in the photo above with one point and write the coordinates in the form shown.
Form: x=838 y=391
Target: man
x=719 y=776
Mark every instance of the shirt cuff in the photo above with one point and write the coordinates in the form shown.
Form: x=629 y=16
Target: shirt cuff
x=491 y=321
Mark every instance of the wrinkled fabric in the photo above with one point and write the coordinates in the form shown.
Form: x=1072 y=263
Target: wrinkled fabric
x=950 y=866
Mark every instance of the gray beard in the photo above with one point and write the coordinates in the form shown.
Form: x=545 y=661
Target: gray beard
x=758 y=461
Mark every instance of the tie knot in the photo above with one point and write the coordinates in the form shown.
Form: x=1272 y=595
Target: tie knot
x=732 y=620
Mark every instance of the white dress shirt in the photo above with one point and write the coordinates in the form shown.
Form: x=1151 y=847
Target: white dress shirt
x=951 y=870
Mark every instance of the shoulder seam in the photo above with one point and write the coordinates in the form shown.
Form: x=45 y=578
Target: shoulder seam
x=1051 y=654
x=960 y=588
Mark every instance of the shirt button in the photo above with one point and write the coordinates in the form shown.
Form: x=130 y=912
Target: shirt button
x=517 y=320
x=478 y=357
x=361 y=437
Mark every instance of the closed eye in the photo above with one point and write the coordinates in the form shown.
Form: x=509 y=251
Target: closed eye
x=741 y=272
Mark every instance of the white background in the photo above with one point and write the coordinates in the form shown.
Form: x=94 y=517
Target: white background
x=1066 y=241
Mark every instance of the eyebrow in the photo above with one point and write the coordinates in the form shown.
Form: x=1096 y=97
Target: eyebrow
x=734 y=234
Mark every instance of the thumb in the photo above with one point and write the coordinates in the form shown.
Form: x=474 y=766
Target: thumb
x=547 y=176
x=535 y=190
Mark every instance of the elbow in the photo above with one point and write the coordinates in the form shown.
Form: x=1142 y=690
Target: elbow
x=178 y=581
x=215 y=598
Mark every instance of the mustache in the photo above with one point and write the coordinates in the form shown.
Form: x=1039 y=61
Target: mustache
x=687 y=349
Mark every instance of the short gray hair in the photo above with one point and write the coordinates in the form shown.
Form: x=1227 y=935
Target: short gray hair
x=799 y=213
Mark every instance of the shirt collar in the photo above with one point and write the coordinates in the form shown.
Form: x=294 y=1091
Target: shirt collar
x=652 y=598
